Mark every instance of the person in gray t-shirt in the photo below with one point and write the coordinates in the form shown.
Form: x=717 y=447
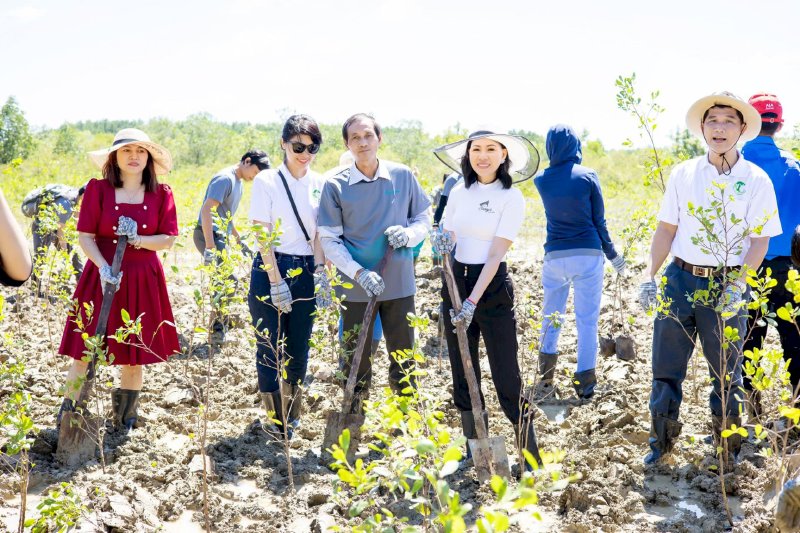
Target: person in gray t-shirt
x=364 y=209
x=224 y=192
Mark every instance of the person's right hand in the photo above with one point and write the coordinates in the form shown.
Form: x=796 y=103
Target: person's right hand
x=281 y=296
x=648 y=294
x=441 y=241
x=787 y=515
x=619 y=264
x=371 y=282
x=208 y=256
x=107 y=277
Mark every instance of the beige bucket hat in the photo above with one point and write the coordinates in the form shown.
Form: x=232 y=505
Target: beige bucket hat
x=694 y=117
x=161 y=156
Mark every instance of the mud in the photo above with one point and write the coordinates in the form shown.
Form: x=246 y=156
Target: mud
x=153 y=479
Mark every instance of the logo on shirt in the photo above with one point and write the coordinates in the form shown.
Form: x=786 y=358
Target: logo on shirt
x=738 y=188
x=316 y=193
x=484 y=206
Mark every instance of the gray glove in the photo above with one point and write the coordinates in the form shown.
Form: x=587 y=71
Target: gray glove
x=281 y=296
x=648 y=294
x=208 y=256
x=465 y=315
x=442 y=242
x=787 y=515
x=128 y=227
x=323 y=284
x=731 y=298
x=398 y=236
x=107 y=278
x=619 y=264
x=371 y=282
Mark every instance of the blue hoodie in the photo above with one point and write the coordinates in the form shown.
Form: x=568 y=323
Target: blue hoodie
x=573 y=202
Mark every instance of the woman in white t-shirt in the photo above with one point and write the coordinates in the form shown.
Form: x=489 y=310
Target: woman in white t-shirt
x=483 y=216
x=281 y=297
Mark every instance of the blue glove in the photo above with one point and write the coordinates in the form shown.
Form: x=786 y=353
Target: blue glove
x=619 y=264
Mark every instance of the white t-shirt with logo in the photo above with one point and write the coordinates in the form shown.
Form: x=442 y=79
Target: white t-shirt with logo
x=269 y=203
x=748 y=195
x=480 y=213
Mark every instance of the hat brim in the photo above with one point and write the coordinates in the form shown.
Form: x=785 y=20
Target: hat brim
x=522 y=154
x=162 y=159
x=694 y=117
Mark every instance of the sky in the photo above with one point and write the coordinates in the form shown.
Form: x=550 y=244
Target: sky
x=494 y=64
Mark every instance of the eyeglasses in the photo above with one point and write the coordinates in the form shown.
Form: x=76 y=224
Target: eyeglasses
x=299 y=148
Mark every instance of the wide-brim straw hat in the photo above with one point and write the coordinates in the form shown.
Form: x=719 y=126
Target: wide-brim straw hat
x=161 y=156
x=522 y=154
x=694 y=117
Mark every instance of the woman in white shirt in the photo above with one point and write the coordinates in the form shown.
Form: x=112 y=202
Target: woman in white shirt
x=281 y=300
x=483 y=216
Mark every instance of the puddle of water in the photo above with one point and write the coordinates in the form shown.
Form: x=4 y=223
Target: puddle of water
x=555 y=413
x=681 y=494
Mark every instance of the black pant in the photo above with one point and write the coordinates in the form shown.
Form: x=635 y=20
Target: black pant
x=494 y=320
x=789 y=335
x=398 y=333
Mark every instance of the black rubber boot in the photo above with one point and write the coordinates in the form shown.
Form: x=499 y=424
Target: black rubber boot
x=526 y=440
x=274 y=420
x=468 y=427
x=293 y=398
x=119 y=400
x=663 y=432
x=67 y=405
x=547 y=371
x=584 y=383
x=130 y=416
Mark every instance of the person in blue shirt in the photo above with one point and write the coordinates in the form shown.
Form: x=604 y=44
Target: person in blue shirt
x=577 y=240
x=784 y=172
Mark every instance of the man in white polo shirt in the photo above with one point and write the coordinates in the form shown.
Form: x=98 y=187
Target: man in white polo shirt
x=364 y=209
x=722 y=120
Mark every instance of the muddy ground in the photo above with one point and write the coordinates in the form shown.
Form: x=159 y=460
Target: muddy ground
x=153 y=480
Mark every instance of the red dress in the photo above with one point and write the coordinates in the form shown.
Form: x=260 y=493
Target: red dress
x=143 y=290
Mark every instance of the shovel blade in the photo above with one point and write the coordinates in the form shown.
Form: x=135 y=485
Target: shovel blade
x=77 y=439
x=490 y=458
x=337 y=423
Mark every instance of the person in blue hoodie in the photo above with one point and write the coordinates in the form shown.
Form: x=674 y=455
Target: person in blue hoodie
x=577 y=241
x=784 y=172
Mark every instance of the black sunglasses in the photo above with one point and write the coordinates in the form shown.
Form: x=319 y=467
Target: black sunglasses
x=299 y=148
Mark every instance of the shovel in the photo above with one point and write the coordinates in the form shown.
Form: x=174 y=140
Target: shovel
x=488 y=454
x=78 y=436
x=338 y=422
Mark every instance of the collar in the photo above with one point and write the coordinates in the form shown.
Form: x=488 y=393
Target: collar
x=356 y=175
x=740 y=170
x=285 y=170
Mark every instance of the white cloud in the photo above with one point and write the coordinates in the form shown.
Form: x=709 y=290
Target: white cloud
x=26 y=13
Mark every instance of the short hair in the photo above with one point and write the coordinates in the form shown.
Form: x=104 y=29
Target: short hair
x=112 y=174
x=301 y=125
x=257 y=157
x=769 y=128
x=738 y=113
x=359 y=116
x=470 y=176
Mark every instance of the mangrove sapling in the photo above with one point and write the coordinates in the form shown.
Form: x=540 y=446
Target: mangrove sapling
x=60 y=510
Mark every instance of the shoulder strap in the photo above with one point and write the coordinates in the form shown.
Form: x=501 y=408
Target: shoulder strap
x=294 y=208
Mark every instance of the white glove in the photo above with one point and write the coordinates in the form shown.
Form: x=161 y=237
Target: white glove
x=465 y=315
x=208 y=256
x=108 y=278
x=371 y=282
x=619 y=264
x=442 y=242
x=128 y=227
x=323 y=284
x=281 y=296
x=648 y=292
x=398 y=236
x=731 y=298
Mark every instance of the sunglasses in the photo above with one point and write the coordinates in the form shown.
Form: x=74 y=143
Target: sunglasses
x=299 y=148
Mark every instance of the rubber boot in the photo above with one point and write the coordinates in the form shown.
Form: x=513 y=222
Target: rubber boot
x=584 y=383
x=468 y=427
x=119 y=401
x=753 y=406
x=274 y=420
x=663 y=432
x=293 y=398
x=67 y=405
x=547 y=371
x=734 y=441
x=528 y=442
x=130 y=415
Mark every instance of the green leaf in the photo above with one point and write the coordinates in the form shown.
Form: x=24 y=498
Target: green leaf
x=448 y=468
x=784 y=314
x=294 y=272
x=499 y=486
x=125 y=316
x=425 y=446
x=344 y=440
x=452 y=454
x=357 y=508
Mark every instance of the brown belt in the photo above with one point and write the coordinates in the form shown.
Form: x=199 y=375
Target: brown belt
x=703 y=271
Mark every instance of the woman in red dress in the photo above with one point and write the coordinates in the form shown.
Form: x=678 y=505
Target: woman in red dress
x=127 y=201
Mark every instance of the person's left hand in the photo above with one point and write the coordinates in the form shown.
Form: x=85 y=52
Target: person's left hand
x=128 y=227
x=465 y=315
x=398 y=236
x=323 y=287
x=619 y=264
x=731 y=297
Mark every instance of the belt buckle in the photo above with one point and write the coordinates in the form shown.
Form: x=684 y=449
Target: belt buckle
x=702 y=272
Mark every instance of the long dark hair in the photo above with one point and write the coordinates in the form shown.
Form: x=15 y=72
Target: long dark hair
x=470 y=176
x=112 y=174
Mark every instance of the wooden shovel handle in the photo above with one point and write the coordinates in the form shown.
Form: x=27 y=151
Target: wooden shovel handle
x=369 y=314
x=463 y=345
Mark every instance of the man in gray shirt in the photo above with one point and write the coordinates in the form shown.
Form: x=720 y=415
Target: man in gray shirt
x=224 y=192
x=364 y=209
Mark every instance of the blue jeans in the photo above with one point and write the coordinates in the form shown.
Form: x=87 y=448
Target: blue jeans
x=293 y=329
x=585 y=274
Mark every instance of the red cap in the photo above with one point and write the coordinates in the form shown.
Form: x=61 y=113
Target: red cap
x=767 y=103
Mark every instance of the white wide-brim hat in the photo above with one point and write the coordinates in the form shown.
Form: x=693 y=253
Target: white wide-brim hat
x=694 y=117
x=161 y=156
x=522 y=154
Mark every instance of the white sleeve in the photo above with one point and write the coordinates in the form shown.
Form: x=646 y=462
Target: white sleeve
x=450 y=209
x=763 y=209
x=260 y=201
x=670 y=208
x=336 y=252
x=512 y=216
x=418 y=227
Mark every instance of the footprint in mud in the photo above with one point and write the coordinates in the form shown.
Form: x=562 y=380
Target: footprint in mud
x=675 y=499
